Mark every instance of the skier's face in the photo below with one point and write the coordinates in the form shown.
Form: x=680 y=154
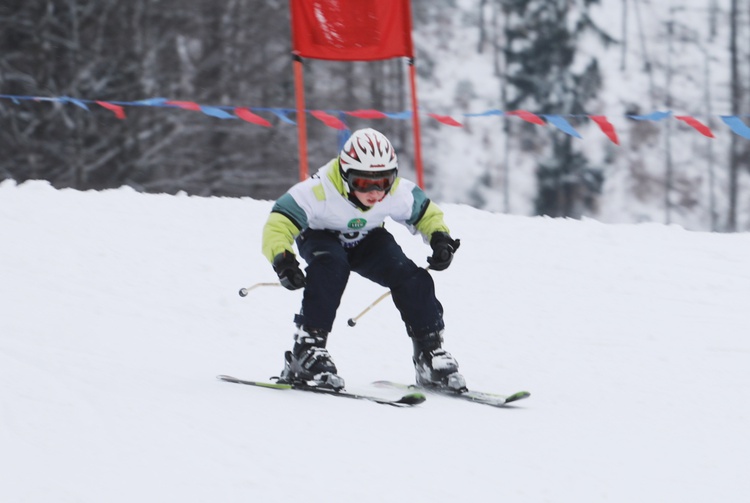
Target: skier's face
x=370 y=198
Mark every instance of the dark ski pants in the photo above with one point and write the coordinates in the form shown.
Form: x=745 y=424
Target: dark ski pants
x=378 y=258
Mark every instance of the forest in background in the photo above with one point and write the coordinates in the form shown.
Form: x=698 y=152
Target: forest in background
x=235 y=52
x=542 y=56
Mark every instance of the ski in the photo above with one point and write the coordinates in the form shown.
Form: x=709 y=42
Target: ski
x=415 y=397
x=492 y=399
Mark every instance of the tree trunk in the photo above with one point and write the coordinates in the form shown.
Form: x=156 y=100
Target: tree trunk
x=734 y=159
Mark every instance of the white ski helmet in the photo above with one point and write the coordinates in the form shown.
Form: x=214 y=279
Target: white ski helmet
x=367 y=153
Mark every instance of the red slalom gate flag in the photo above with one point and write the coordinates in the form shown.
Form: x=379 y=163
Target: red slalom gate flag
x=351 y=30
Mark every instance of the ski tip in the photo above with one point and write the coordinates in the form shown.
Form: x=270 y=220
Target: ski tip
x=517 y=396
x=412 y=399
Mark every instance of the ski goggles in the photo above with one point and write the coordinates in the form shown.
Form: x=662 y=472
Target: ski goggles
x=368 y=182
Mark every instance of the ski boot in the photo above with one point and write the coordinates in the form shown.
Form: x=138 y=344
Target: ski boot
x=435 y=367
x=309 y=362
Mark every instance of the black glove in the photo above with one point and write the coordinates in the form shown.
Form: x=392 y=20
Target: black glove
x=443 y=248
x=287 y=269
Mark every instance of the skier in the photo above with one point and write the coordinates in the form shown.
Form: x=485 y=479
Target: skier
x=337 y=220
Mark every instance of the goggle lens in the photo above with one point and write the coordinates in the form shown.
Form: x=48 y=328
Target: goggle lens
x=364 y=184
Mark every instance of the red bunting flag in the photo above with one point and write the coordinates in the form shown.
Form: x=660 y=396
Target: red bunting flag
x=246 y=115
x=527 y=116
x=696 y=124
x=351 y=30
x=606 y=127
x=367 y=114
x=445 y=119
x=116 y=109
x=187 y=105
x=329 y=120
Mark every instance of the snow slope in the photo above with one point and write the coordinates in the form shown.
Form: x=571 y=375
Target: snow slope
x=119 y=308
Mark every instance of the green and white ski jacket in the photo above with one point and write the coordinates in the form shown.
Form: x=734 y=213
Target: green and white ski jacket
x=321 y=203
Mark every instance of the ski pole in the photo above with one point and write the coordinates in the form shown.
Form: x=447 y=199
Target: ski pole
x=353 y=321
x=244 y=291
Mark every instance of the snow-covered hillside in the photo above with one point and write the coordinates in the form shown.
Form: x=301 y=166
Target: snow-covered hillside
x=118 y=309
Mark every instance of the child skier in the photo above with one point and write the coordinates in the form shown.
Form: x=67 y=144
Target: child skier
x=336 y=218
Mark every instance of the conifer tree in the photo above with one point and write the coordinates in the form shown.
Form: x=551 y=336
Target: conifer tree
x=548 y=74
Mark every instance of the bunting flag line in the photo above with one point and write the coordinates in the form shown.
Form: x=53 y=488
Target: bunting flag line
x=335 y=118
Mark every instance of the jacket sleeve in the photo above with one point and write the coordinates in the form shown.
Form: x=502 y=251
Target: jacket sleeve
x=278 y=235
x=286 y=221
x=426 y=216
x=431 y=221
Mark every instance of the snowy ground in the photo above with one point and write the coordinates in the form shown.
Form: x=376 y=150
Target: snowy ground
x=118 y=309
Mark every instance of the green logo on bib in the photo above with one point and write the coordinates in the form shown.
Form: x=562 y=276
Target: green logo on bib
x=357 y=223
